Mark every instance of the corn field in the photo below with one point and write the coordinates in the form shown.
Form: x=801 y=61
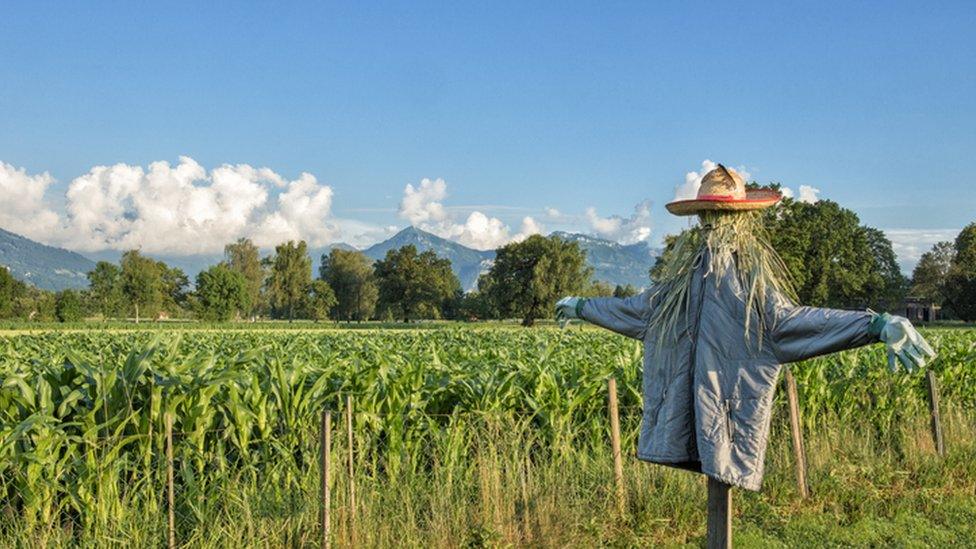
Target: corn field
x=476 y=437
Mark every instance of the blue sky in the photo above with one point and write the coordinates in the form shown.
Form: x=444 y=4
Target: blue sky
x=516 y=108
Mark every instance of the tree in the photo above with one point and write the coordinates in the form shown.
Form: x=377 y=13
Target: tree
x=105 y=290
x=221 y=292
x=142 y=283
x=321 y=300
x=244 y=257
x=68 y=306
x=657 y=270
x=961 y=281
x=174 y=285
x=833 y=260
x=11 y=292
x=931 y=273
x=289 y=280
x=597 y=288
x=624 y=291
x=529 y=276
x=413 y=285
x=886 y=287
x=351 y=277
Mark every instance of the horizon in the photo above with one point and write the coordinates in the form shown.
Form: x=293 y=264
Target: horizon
x=480 y=125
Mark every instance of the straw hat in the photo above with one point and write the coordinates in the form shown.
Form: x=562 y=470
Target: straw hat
x=724 y=189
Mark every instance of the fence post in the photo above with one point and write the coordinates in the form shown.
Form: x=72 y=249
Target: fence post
x=326 y=437
x=618 y=466
x=170 y=492
x=719 y=531
x=799 y=453
x=352 y=472
x=934 y=411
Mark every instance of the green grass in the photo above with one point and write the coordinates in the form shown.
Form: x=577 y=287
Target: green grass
x=492 y=436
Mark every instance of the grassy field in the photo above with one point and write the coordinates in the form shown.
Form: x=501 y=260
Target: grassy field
x=464 y=436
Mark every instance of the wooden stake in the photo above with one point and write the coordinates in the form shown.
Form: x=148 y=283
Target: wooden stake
x=934 y=410
x=719 y=534
x=618 y=466
x=170 y=491
x=799 y=452
x=352 y=472
x=326 y=495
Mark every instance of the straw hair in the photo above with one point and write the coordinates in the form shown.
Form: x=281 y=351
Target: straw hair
x=733 y=240
x=723 y=189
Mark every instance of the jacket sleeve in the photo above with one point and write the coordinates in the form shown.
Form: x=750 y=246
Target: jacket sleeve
x=628 y=316
x=800 y=333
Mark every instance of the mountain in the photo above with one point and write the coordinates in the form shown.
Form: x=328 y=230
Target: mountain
x=468 y=263
x=612 y=263
x=46 y=267
x=615 y=263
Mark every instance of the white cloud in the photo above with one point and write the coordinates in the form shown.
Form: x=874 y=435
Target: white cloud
x=689 y=189
x=808 y=194
x=529 y=227
x=553 y=213
x=636 y=228
x=910 y=244
x=786 y=192
x=177 y=210
x=23 y=208
x=422 y=206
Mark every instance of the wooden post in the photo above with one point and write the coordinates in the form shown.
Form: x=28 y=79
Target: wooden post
x=799 y=453
x=934 y=410
x=326 y=495
x=352 y=472
x=618 y=466
x=170 y=492
x=719 y=534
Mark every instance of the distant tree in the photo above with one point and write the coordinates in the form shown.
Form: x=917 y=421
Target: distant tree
x=68 y=306
x=175 y=286
x=244 y=257
x=833 y=260
x=12 y=292
x=289 y=279
x=351 y=277
x=932 y=271
x=597 y=288
x=886 y=286
x=321 y=300
x=142 y=283
x=105 y=290
x=221 y=292
x=961 y=281
x=35 y=304
x=413 y=285
x=657 y=270
x=624 y=291
x=529 y=276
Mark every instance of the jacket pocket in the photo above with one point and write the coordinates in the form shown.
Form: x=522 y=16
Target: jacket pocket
x=744 y=418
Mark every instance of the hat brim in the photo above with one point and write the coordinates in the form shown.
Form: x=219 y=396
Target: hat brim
x=754 y=200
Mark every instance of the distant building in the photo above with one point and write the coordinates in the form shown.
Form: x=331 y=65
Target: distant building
x=921 y=310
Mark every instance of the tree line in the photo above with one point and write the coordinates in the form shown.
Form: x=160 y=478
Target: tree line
x=833 y=259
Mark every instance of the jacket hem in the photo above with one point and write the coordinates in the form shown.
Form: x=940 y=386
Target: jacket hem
x=684 y=462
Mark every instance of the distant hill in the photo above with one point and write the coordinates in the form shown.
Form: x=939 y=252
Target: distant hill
x=615 y=263
x=55 y=269
x=612 y=263
x=46 y=267
x=468 y=263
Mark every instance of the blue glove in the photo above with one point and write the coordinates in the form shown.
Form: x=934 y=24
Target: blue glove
x=569 y=308
x=903 y=342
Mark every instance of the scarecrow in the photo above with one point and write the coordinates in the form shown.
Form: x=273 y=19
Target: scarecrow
x=716 y=330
